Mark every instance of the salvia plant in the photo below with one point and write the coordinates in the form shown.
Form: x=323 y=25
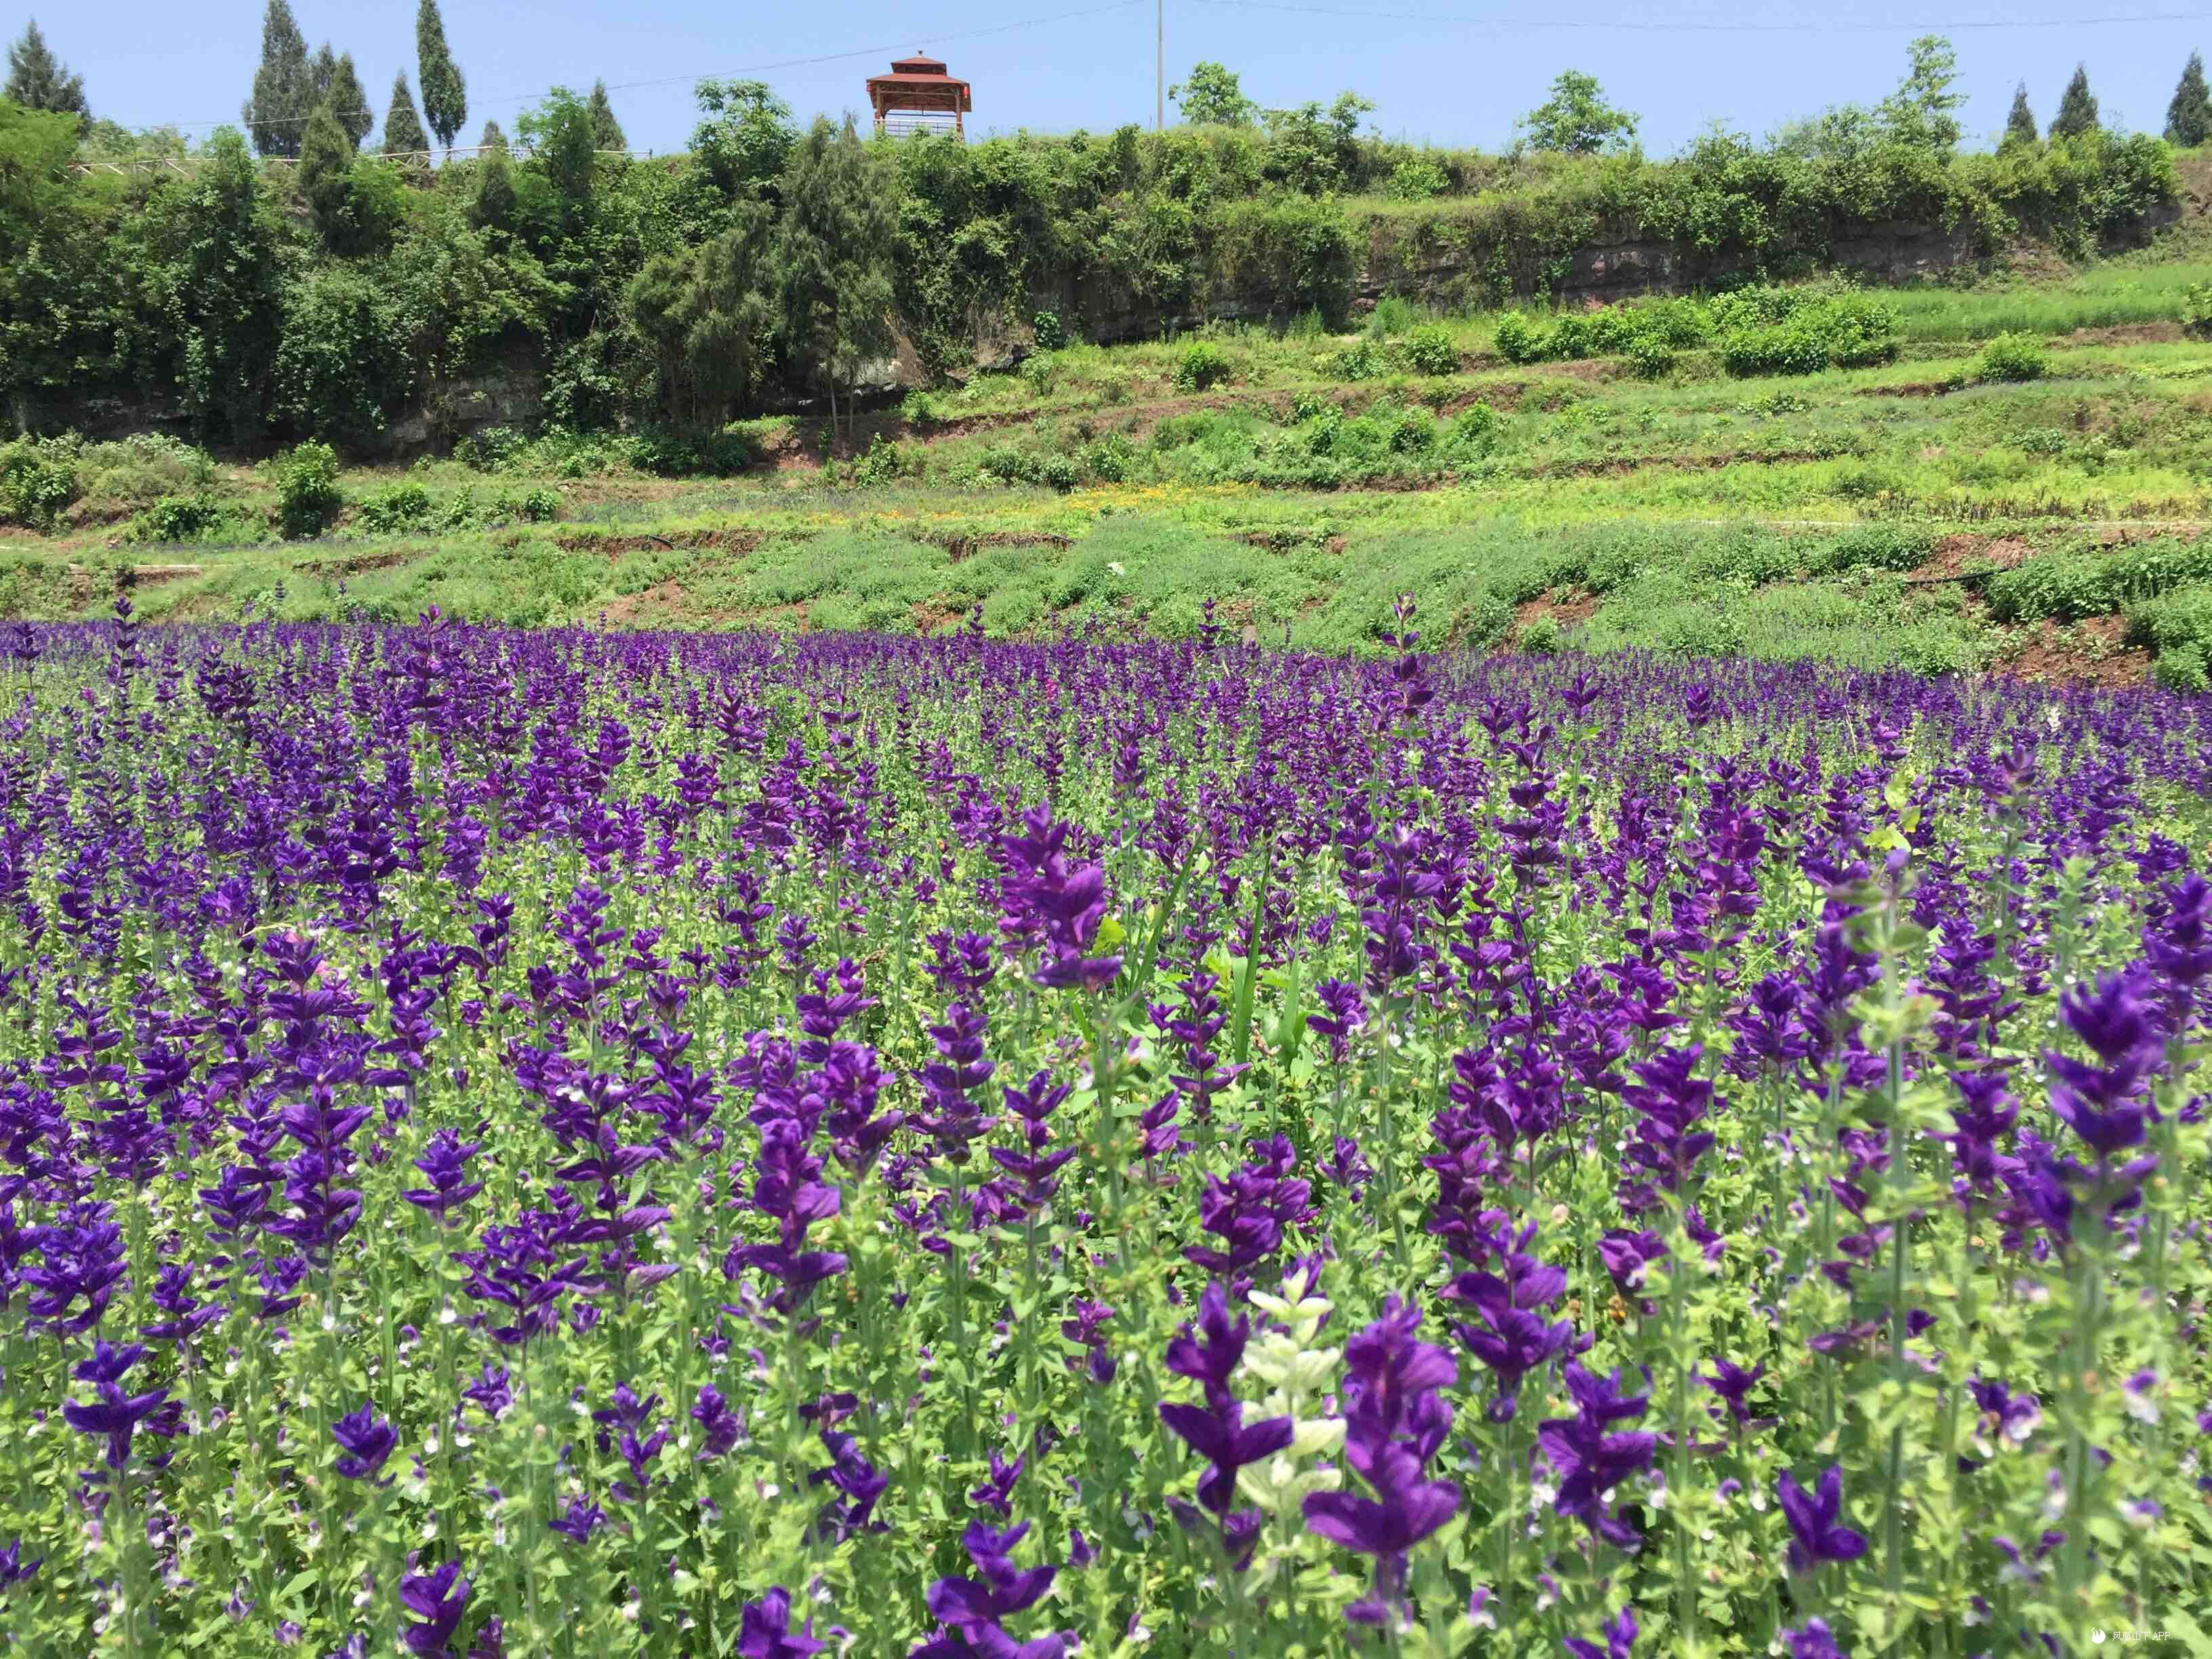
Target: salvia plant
x=586 y=1144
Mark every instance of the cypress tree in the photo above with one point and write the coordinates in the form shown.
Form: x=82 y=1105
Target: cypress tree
x=403 y=128
x=37 y=80
x=322 y=70
x=325 y=175
x=445 y=93
x=2021 y=125
x=606 y=131
x=2189 y=117
x=492 y=208
x=2077 y=110
x=283 y=85
x=348 y=102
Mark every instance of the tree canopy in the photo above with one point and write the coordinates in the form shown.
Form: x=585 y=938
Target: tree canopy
x=38 y=79
x=606 y=131
x=2189 y=116
x=1576 y=119
x=2077 y=107
x=445 y=93
x=403 y=128
x=1212 y=97
x=283 y=94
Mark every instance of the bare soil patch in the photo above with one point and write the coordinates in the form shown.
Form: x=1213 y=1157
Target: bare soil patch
x=2090 y=652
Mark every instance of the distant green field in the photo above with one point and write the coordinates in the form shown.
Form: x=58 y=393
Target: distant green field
x=1926 y=511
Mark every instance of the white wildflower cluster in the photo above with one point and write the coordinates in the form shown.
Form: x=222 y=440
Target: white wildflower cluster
x=1298 y=1373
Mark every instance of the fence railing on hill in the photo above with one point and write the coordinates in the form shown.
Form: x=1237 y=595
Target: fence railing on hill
x=187 y=164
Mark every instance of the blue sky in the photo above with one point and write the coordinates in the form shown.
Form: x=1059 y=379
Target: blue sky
x=1439 y=80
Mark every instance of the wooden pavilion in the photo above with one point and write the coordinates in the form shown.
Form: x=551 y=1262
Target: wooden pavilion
x=918 y=96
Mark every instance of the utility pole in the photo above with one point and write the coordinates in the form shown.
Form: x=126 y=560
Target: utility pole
x=1159 y=66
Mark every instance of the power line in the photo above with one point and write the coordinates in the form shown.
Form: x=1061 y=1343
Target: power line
x=751 y=69
x=1503 y=24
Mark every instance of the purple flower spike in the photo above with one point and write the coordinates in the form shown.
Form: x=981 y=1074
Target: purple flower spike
x=1813 y=1641
x=1396 y=1420
x=973 y=1611
x=1619 y=1634
x=765 y=1630
x=436 y=1600
x=366 y=1440
x=1816 y=1523
x=112 y=1412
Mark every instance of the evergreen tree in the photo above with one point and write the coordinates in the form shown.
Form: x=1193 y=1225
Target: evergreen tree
x=2189 y=117
x=322 y=71
x=558 y=131
x=283 y=85
x=492 y=207
x=325 y=175
x=445 y=93
x=348 y=101
x=37 y=79
x=606 y=131
x=2077 y=109
x=833 y=254
x=2021 y=125
x=403 y=128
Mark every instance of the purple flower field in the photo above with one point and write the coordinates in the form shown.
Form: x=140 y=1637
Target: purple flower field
x=585 y=1143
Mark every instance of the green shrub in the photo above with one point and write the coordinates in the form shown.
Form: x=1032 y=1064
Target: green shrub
x=1050 y=333
x=918 y=409
x=2184 y=668
x=403 y=507
x=1393 y=315
x=1431 y=350
x=495 y=449
x=1010 y=465
x=2172 y=621
x=1203 y=365
x=138 y=471
x=538 y=506
x=1109 y=459
x=1417 y=178
x=1652 y=358
x=884 y=462
x=1846 y=330
x=1573 y=337
x=1872 y=546
x=1473 y=434
x=202 y=517
x=308 y=498
x=2197 y=309
x=345 y=358
x=1932 y=652
x=38 y=481
x=1360 y=360
x=1519 y=340
x=2063 y=585
x=686 y=452
x=2012 y=357
x=1540 y=636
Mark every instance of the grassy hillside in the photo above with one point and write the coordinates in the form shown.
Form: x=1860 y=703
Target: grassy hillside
x=1922 y=510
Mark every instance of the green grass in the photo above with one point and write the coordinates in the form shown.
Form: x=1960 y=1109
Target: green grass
x=2104 y=297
